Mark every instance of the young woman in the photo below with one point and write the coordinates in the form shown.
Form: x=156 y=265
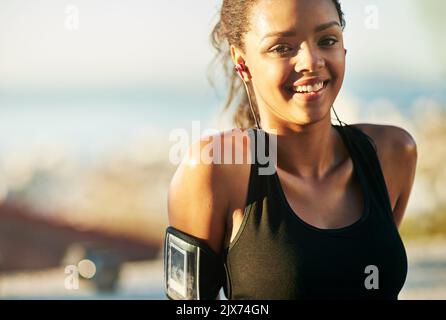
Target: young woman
x=325 y=224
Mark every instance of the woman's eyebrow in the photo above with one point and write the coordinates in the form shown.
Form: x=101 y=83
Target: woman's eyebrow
x=324 y=26
x=292 y=33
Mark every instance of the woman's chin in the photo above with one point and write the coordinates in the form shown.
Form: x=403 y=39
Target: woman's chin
x=308 y=115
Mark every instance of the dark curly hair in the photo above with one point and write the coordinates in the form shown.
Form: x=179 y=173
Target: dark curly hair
x=230 y=30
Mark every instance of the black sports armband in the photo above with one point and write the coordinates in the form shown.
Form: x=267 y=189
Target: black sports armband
x=192 y=270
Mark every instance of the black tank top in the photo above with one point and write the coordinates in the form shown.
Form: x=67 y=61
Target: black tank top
x=277 y=255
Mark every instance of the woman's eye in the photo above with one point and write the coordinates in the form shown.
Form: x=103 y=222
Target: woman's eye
x=281 y=49
x=328 y=42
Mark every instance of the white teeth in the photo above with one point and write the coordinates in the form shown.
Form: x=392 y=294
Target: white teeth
x=314 y=88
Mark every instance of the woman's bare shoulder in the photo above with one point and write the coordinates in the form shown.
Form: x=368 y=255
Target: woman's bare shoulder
x=200 y=192
x=393 y=143
x=388 y=136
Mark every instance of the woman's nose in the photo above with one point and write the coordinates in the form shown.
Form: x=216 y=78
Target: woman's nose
x=309 y=59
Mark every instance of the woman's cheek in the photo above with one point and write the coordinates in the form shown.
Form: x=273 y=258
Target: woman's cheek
x=339 y=62
x=278 y=76
x=270 y=76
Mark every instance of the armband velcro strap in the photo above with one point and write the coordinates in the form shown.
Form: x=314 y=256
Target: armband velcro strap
x=192 y=270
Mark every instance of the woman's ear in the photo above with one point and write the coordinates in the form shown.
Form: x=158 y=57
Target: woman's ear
x=240 y=65
x=243 y=71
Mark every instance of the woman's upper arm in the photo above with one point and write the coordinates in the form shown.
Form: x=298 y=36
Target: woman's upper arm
x=198 y=199
x=406 y=163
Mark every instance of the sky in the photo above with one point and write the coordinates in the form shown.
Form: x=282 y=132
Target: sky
x=117 y=43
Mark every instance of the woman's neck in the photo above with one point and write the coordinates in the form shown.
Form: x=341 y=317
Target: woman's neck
x=309 y=151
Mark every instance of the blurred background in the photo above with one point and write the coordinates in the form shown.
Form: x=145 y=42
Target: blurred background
x=90 y=92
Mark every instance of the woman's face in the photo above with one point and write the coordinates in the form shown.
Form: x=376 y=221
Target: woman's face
x=293 y=44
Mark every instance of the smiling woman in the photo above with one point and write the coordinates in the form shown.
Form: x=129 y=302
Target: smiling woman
x=270 y=44
x=324 y=225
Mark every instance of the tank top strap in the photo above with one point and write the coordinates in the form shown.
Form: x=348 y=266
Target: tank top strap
x=365 y=151
x=257 y=183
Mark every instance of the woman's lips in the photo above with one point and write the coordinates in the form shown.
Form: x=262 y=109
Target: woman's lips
x=309 y=96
